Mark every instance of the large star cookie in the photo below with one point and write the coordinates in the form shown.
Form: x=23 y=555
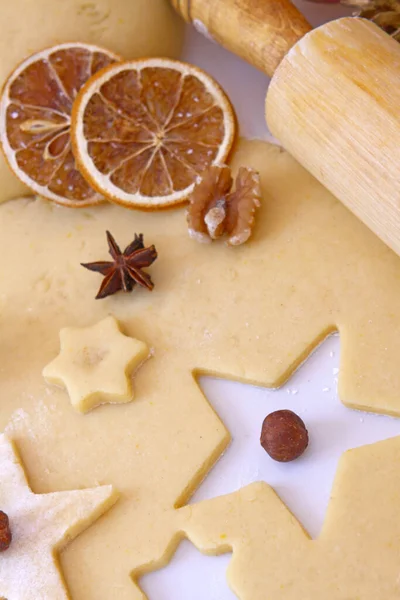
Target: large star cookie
x=94 y=364
x=41 y=525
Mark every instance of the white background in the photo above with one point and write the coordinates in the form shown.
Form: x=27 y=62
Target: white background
x=305 y=484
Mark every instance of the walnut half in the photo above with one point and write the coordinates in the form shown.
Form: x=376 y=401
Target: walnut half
x=215 y=210
x=207 y=210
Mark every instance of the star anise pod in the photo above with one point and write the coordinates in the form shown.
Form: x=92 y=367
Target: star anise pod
x=126 y=269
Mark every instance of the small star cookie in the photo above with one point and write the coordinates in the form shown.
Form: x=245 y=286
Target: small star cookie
x=41 y=525
x=94 y=364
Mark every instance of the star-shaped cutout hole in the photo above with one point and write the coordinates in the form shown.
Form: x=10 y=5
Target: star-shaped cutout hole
x=41 y=525
x=95 y=364
x=305 y=484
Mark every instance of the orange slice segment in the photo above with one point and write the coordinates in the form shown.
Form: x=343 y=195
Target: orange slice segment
x=143 y=131
x=35 y=120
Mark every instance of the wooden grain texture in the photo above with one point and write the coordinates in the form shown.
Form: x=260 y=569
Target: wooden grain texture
x=260 y=31
x=334 y=104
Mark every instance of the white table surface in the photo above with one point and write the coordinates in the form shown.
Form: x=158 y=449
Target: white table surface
x=305 y=484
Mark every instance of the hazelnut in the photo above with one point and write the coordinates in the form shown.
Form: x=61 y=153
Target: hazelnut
x=5 y=532
x=284 y=436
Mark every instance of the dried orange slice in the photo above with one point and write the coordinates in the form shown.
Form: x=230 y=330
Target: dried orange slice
x=143 y=131
x=35 y=119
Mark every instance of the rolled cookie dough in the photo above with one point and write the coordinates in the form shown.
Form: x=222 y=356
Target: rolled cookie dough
x=355 y=557
x=251 y=313
x=132 y=28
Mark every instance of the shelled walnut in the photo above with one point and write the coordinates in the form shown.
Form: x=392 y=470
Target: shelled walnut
x=215 y=210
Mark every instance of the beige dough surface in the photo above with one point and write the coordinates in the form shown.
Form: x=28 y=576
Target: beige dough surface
x=252 y=313
x=132 y=28
x=355 y=556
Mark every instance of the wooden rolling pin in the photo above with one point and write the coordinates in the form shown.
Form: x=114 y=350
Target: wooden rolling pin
x=334 y=98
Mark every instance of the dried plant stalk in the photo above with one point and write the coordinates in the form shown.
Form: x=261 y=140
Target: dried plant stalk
x=385 y=13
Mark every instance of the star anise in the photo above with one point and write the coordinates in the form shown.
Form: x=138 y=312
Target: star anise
x=125 y=271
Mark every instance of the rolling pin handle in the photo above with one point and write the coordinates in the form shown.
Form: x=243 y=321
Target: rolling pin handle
x=260 y=31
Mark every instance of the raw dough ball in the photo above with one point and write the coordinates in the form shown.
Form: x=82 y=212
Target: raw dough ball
x=132 y=28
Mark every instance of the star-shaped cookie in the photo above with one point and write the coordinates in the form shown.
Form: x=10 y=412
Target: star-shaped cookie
x=94 y=364
x=41 y=525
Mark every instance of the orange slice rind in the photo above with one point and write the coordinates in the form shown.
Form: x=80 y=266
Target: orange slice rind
x=143 y=131
x=35 y=118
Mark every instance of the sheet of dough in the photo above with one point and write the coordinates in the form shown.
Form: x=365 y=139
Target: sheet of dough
x=251 y=313
x=132 y=28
